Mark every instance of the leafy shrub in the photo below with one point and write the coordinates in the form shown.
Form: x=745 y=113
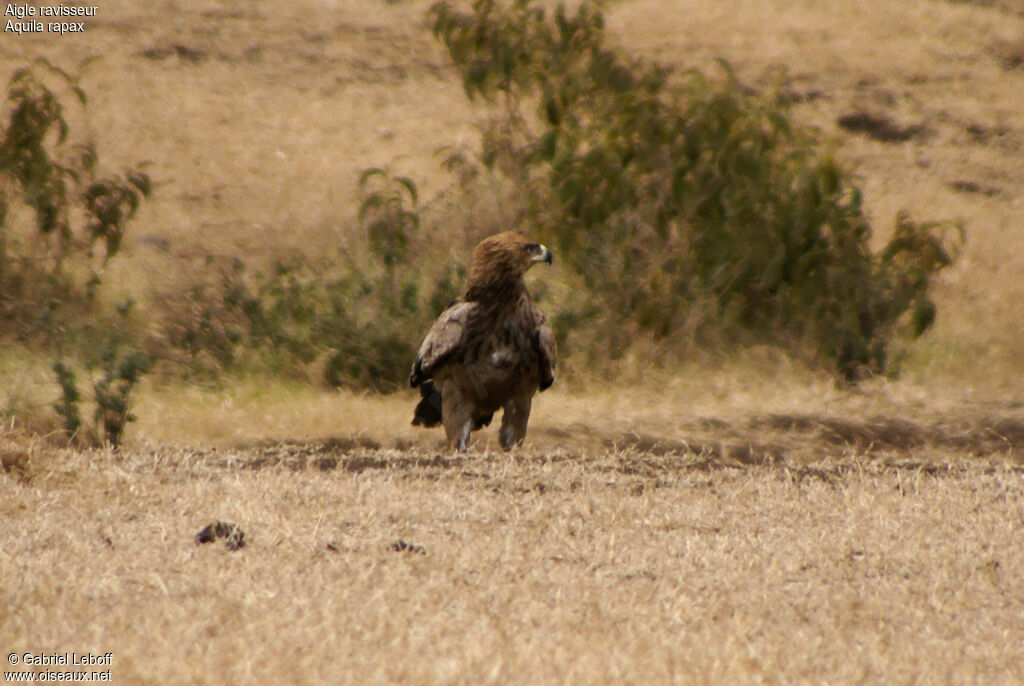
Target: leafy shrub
x=687 y=203
x=55 y=208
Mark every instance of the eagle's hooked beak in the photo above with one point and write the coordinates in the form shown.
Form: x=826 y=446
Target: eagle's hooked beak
x=543 y=255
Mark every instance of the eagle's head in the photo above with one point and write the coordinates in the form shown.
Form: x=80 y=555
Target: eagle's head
x=499 y=261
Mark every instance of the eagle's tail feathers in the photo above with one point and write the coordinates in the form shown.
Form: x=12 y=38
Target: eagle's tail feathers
x=428 y=410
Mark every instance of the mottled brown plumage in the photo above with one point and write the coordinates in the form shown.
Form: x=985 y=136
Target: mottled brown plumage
x=490 y=349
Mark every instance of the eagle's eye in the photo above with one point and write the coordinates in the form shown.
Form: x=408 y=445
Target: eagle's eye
x=533 y=247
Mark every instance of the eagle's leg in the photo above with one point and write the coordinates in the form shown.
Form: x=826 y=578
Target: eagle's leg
x=513 y=421
x=462 y=440
x=457 y=429
x=457 y=416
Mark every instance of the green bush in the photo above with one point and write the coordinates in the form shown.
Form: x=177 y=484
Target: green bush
x=55 y=208
x=687 y=203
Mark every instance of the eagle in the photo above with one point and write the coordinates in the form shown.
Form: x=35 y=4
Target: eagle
x=490 y=349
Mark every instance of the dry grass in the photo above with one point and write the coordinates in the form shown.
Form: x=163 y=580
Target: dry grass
x=745 y=521
x=546 y=567
x=635 y=539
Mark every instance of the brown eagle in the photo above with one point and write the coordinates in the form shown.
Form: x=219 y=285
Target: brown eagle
x=490 y=349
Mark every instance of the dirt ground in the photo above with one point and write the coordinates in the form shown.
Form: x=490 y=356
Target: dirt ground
x=743 y=523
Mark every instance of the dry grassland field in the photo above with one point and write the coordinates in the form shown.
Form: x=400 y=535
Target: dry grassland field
x=738 y=520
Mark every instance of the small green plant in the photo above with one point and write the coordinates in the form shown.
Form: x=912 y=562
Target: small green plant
x=67 y=405
x=687 y=204
x=111 y=397
x=112 y=392
x=389 y=223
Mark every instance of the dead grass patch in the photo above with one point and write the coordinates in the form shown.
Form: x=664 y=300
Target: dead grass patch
x=534 y=568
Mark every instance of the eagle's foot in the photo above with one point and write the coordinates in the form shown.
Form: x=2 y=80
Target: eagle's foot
x=509 y=438
x=462 y=442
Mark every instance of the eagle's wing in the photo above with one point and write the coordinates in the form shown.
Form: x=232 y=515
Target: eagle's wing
x=545 y=341
x=442 y=341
